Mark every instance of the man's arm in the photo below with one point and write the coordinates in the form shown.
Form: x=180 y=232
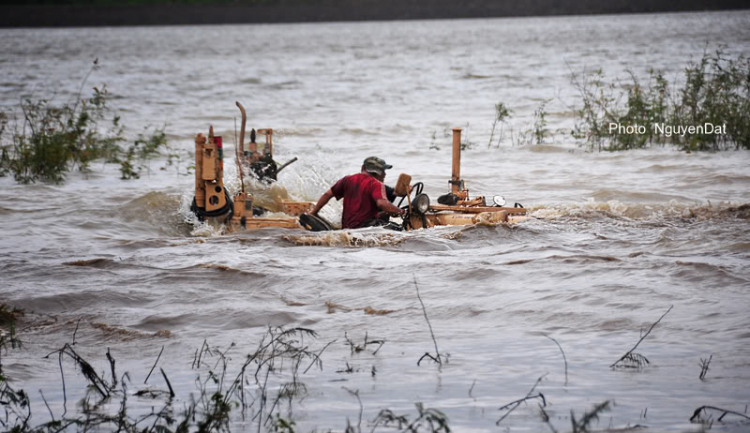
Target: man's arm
x=322 y=201
x=385 y=205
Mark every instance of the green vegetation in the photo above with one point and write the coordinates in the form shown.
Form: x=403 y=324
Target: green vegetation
x=715 y=91
x=49 y=139
x=146 y=146
x=709 y=110
x=8 y=317
x=502 y=113
x=540 y=123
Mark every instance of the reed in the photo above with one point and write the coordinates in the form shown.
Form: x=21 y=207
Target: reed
x=510 y=407
x=534 y=133
x=635 y=360
x=565 y=359
x=583 y=424
x=430 y=420
x=435 y=358
x=502 y=113
x=704 y=367
x=699 y=413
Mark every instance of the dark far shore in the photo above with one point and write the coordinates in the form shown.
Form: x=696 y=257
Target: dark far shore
x=82 y=13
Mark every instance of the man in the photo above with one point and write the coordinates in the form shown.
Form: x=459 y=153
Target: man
x=364 y=195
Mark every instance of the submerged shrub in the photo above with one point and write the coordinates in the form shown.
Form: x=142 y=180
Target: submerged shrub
x=715 y=91
x=50 y=139
x=146 y=146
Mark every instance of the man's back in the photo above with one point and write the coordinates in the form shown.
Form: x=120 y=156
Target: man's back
x=360 y=192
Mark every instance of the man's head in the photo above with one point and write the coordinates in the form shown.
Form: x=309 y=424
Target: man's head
x=376 y=167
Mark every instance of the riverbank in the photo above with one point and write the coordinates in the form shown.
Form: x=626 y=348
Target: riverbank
x=288 y=11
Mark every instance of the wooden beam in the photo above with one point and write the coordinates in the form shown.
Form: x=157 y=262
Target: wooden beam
x=259 y=223
x=478 y=209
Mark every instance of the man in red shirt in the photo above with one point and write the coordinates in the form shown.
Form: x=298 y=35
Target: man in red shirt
x=364 y=195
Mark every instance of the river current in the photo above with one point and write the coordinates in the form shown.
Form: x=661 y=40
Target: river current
x=614 y=241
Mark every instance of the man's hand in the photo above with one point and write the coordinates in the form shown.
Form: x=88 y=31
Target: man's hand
x=389 y=207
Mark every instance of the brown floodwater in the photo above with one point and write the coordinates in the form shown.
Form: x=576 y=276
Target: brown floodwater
x=614 y=239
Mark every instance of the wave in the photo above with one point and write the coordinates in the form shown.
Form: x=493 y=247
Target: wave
x=636 y=196
x=333 y=308
x=218 y=319
x=125 y=334
x=94 y=263
x=154 y=211
x=345 y=238
x=9 y=211
x=649 y=212
x=575 y=258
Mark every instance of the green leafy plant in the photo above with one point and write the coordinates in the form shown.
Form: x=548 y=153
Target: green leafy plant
x=44 y=140
x=715 y=92
x=146 y=146
x=51 y=139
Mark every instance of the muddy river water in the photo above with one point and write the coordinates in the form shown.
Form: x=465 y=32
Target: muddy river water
x=614 y=241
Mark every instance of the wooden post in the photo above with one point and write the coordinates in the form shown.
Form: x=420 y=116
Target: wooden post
x=456 y=174
x=200 y=192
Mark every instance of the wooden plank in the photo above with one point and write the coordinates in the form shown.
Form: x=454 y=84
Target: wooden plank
x=208 y=161
x=200 y=192
x=297 y=208
x=259 y=223
x=478 y=209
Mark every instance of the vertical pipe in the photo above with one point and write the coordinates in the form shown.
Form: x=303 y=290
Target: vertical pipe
x=253 y=146
x=242 y=128
x=456 y=174
x=269 y=143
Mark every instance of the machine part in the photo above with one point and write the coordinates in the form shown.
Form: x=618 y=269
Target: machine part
x=314 y=223
x=390 y=225
x=265 y=169
x=240 y=151
x=458 y=185
x=402 y=186
x=420 y=204
x=286 y=164
x=202 y=213
x=498 y=200
x=449 y=199
x=518 y=205
x=215 y=196
x=241 y=148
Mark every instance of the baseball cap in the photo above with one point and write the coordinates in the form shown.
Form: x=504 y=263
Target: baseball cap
x=374 y=164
